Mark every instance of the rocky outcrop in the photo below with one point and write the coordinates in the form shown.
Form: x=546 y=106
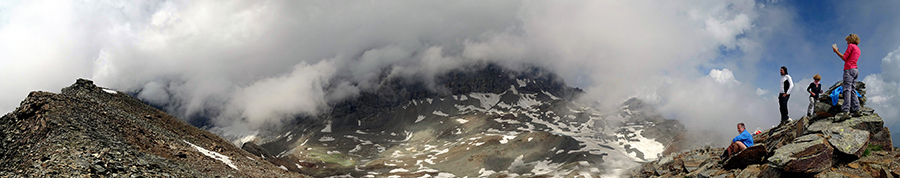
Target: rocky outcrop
x=848 y=141
x=752 y=155
x=818 y=146
x=89 y=131
x=807 y=154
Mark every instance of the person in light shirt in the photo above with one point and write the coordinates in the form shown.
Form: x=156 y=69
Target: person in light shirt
x=787 y=84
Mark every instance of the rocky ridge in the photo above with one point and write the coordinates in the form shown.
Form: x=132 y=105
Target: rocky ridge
x=820 y=146
x=89 y=131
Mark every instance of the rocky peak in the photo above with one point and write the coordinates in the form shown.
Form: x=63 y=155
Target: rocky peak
x=637 y=111
x=91 y=131
x=824 y=145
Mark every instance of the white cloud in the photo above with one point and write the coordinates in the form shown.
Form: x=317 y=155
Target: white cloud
x=723 y=76
x=890 y=65
x=252 y=62
x=761 y=92
x=883 y=90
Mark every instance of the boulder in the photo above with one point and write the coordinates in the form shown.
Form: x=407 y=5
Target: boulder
x=751 y=171
x=860 y=87
x=836 y=174
x=783 y=135
x=669 y=164
x=806 y=154
x=769 y=170
x=882 y=139
x=826 y=99
x=753 y=155
x=871 y=123
x=847 y=140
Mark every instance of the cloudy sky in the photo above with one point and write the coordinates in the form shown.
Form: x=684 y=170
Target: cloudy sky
x=707 y=63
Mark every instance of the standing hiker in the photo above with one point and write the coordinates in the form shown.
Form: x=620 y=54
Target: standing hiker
x=814 y=89
x=851 y=72
x=786 y=86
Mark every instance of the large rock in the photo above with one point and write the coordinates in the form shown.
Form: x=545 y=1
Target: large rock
x=806 y=154
x=753 y=155
x=783 y=135
x=769 y=170
x=751 y=171
x=836 y=174
x=847 y=140
x=670 y=164
x=882 y=139
x=824 y=103
x=871 y=123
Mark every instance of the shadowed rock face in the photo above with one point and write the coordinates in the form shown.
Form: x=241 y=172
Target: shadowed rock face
x=820 y=146
x=90 y=131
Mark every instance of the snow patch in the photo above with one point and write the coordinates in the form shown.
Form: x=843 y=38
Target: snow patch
x=420 y=118
x=213 y=155
x=522 y=83
x=327 y=128
x=462 y=121
x=246 y=139
x=487 y=100
x=110 y=91
x=506 y=139
x=326 y=139
x=550 y=95
x=649 y=147
x=398 y=170
x=439 y=113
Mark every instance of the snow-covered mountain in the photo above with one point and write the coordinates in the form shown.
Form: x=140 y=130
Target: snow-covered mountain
x=478 y=122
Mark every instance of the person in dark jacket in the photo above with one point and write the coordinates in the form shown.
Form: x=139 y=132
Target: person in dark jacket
x=814 y=89
x=784 y=94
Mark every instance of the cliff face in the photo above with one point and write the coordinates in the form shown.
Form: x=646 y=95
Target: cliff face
x=824 y=145
x=91 y=131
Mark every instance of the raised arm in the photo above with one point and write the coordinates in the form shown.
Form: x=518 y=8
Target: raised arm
x=838 y=53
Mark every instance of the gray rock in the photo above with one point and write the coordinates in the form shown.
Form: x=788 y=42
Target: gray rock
x=871 y=123
x=848 y=140
x=753 y=155
x=750 y=172
x=882 y=139
x=806 y=154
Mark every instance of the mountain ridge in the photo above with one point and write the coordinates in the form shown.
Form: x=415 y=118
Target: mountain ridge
x=92 y=131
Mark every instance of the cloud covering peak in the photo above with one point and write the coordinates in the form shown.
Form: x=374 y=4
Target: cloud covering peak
x=250 y=63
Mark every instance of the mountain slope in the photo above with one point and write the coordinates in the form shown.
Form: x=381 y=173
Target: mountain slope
x=486 y=121
x=90 y=131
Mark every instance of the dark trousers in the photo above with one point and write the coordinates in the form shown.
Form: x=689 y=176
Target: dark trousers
x=782 y=105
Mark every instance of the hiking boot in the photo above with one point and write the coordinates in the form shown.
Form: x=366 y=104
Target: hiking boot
x=857 y=114
x=843 y=115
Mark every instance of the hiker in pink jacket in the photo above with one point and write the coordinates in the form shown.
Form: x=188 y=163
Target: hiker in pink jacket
x=851 y=72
